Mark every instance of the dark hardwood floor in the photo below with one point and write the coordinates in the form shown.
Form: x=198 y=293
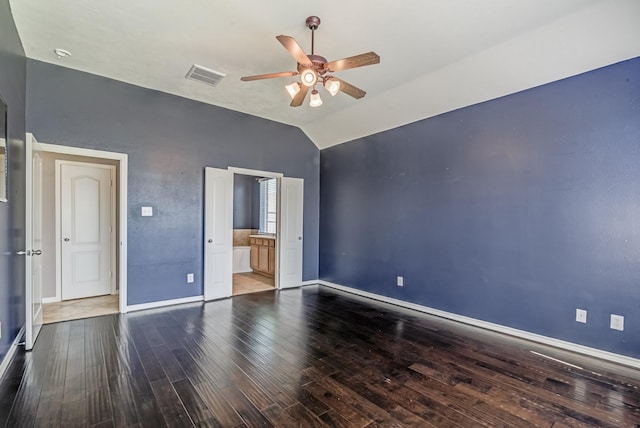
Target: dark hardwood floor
x=304 y=357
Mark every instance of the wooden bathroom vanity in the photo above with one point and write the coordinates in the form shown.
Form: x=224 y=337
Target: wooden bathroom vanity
x=263 y=254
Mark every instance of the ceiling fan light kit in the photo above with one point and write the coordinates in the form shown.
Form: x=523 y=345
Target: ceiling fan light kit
x=313 y=68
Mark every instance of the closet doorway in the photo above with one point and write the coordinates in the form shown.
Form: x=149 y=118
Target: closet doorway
x=84 y=232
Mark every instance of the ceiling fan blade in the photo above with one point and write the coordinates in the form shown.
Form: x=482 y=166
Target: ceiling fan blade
x=299 y=98
x=269 y=76
x=295 y=50
x=361 y=60
x=349 y=89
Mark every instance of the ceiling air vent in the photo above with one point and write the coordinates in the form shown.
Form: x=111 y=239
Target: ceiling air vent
x=205 y=75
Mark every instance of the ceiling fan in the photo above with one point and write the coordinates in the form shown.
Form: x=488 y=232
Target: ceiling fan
x=315 y=69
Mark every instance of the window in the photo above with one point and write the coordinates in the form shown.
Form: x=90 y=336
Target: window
x=268 y=205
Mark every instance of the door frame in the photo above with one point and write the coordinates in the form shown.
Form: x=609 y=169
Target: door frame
x=278 y=176
x=121 y=195
x=58 y=219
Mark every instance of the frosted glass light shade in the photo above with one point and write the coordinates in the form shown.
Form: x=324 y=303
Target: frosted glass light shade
x=333 y=86
x=293 y=89
x=315 y=100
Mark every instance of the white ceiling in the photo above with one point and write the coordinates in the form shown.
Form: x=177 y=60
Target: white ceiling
x=436 y=56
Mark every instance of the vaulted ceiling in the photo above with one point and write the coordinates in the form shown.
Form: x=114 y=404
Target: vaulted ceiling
x=436 y=56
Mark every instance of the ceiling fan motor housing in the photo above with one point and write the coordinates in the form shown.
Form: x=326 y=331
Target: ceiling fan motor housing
x=318 y=63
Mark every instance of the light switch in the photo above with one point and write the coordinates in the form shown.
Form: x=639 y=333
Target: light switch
x=147 y=211
x=617 y=322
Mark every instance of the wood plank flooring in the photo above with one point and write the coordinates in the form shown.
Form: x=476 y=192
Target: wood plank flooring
x=304 y=357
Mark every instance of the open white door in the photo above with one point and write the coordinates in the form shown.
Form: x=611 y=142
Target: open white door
x=218 y=233
x=33 y=243
x=291 y=197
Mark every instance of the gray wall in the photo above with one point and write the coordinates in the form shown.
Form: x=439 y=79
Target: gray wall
x=169 y=140
x=12 y=92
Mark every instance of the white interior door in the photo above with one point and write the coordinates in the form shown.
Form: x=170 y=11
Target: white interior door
x=291 y=210
x=33 y=243
x=87 y=230
x=218 y=233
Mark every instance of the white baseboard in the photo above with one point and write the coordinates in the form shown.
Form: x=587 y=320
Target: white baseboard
x=11 y=352
x=151 y=305
x=533 y=337
x=192 y=299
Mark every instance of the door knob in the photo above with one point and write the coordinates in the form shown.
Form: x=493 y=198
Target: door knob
x=66 y=239
x=299 y=238
x=210 y=241
x=24 y=253
x=36 y=252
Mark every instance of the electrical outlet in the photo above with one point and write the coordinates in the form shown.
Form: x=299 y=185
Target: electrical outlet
x=400 y=281
x=146 y=211
x=189 y=278
x=617 y=322
x=581 y=315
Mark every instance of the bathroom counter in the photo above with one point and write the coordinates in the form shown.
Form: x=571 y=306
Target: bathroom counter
x=263 y=236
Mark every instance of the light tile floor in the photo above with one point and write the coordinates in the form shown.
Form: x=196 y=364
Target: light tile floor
x=250 y=282
x=79 y=308
x=243 y=283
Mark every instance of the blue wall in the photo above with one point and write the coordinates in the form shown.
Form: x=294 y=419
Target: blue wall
x=12 y=92
x=243 y=207
x=516 y=211
x=170 y=140
x=255 y=205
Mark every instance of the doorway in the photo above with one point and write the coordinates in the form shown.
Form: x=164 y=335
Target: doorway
x=92 y=281
x=218 y=231
x=81 y=200
x=255 y=225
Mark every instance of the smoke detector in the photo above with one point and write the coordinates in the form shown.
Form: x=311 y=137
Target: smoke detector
x=62 y=53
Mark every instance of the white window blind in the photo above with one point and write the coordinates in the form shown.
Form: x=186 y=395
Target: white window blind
x=268 y=205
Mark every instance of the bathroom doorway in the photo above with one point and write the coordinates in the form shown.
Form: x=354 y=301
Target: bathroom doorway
x=255 y=228
x=218 y=231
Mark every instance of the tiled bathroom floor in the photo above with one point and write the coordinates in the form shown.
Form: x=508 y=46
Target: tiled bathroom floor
x=250 y=282
x=79 y=308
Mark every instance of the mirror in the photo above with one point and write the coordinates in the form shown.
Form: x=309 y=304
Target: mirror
x=3 y=152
